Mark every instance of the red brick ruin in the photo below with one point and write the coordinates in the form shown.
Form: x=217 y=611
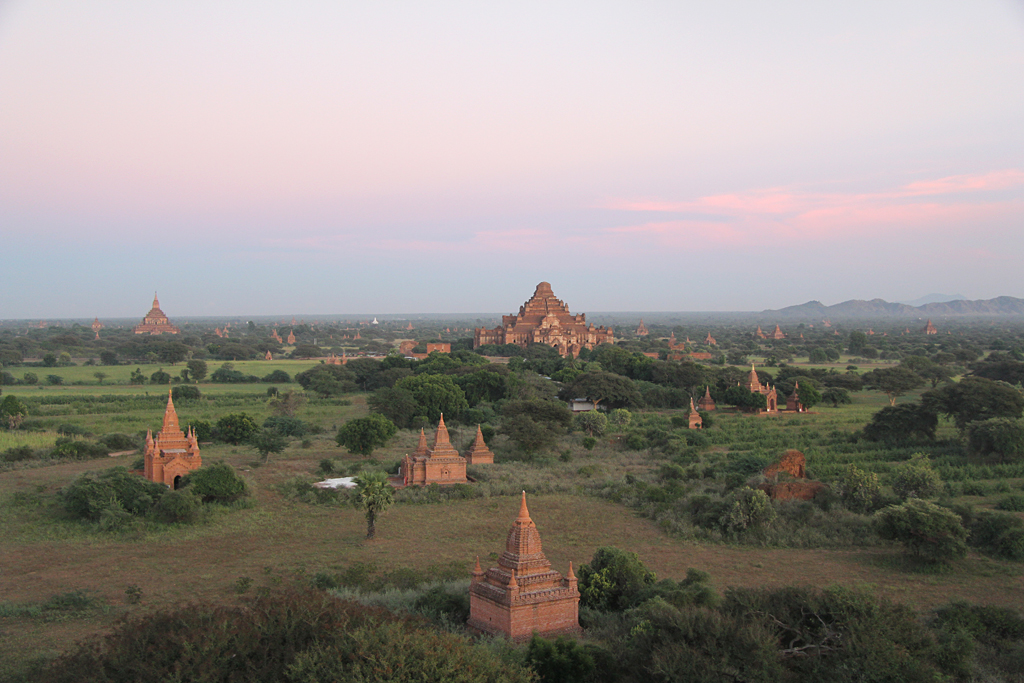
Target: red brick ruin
x=523 y=595
x=172 y=454
x=156 y=321
x=792 y=463
x=706 y=402
x=544 y=319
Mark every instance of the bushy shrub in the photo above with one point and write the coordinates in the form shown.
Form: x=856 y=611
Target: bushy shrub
x=119 y=442
x=79 y=450
x=203 y=429
x=217 y=481
x=559 y=660
x=236 y=428
x=858 y=489
x=177 y=507
x=186 y=392
x=1014 y=503
x=17 y=454
x=613 y=580
x=293 y=636
x=278 y=377
x=286 y=426
x=114 y=491
x=916 y=479
x=928 y=531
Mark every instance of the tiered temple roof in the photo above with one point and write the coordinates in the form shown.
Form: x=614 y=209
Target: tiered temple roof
x=171 y=454
x=479 y=453
x=441 y=464
x=930 y=329
x=522 y=594
x=545 y=319
x=706 y=402
x=754 y=384
x=156 y=321
x=641 y=330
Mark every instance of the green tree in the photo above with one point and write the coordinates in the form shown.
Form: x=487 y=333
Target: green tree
x=817 y=356
x=236 y=428
x=893 y=382
x=398 y=405
x=172 y=352
x=267 y=441
x=327 y=380
x=615 y=391
x=55 y=380
x=745 y=399
x=973 y=399
x=591 y=422
x=916 y=478
x=137 y=377
x=928 y=531
x=49 y=360
x=100 y=376
x=287 y=404
x=434 y=395
x=836 y=396
x=373 y=495
x=613 y=580
x=216 y=481
x=534 y=424
x=108 y=357
x=12 y=412
x=1002 y=436
x=750 y=509
x=858 y=340
x=620 y=417
x=858 y=489
x=364 y=434
x=197 y=370
x=559 y=661
x=160 y=377
x=808 y=394
x=905 y=422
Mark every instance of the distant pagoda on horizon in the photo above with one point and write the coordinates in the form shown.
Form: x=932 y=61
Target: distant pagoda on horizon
x=156 y=321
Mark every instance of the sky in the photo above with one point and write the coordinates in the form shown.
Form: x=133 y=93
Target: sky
x=301 y=157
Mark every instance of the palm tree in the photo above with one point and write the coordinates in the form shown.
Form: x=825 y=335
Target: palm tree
x=374 y=495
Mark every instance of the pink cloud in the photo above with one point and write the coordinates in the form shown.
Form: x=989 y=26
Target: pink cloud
x=765 y=216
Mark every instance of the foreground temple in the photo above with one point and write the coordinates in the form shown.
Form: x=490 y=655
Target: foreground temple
x=544 y=319
x=172 y=454
x=156 y=321
x=441 y=464
x=523 y=595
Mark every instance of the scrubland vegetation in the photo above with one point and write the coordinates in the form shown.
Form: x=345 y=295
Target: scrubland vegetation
x=908 y=566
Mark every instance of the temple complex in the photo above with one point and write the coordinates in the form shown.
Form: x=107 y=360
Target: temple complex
x=440 y=347
x=706 y=402
x=930 y=329
x=441 y=464
x=641 y=330
x=479 y=453
x=156 y=321
x=710 y=341
x=172 y=454
x=544 y=319
x=777 y=333
x=754 y=384
x=523 y=595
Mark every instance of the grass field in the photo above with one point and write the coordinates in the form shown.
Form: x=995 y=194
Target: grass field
x=279 y=539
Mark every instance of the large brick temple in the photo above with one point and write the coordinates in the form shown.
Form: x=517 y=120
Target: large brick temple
x=156 y=321
x=171 y=454
x=523 y=594
x=545 y=319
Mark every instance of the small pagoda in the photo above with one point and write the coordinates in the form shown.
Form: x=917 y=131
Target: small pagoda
x=641 y=329
x=695 y=420
x=171 y=454
x=769 y=393
x=523 y=595
x=479 y=453
x=156 y=321
x=97 y=326
x=706 y=403
x=793 y=400
x=441 y=464
x=930 y=329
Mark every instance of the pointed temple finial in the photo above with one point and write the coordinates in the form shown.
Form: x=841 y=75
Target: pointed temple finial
x=524 y=512
x=571 y=576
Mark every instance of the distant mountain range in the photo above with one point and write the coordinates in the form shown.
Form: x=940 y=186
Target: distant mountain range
x=879 y=308
x=933 y=299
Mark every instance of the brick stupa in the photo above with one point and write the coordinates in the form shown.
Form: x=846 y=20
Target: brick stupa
x=479 y=453
x=523 y=595
x=441 y=464
x=706 y=403
x=172 y=454
x=545 y=319
x=156 y=321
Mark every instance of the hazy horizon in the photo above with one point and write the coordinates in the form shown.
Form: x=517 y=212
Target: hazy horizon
x=305 y=156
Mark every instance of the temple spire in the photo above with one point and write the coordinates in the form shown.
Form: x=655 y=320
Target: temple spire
x=524 y=512
x=441 y=438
